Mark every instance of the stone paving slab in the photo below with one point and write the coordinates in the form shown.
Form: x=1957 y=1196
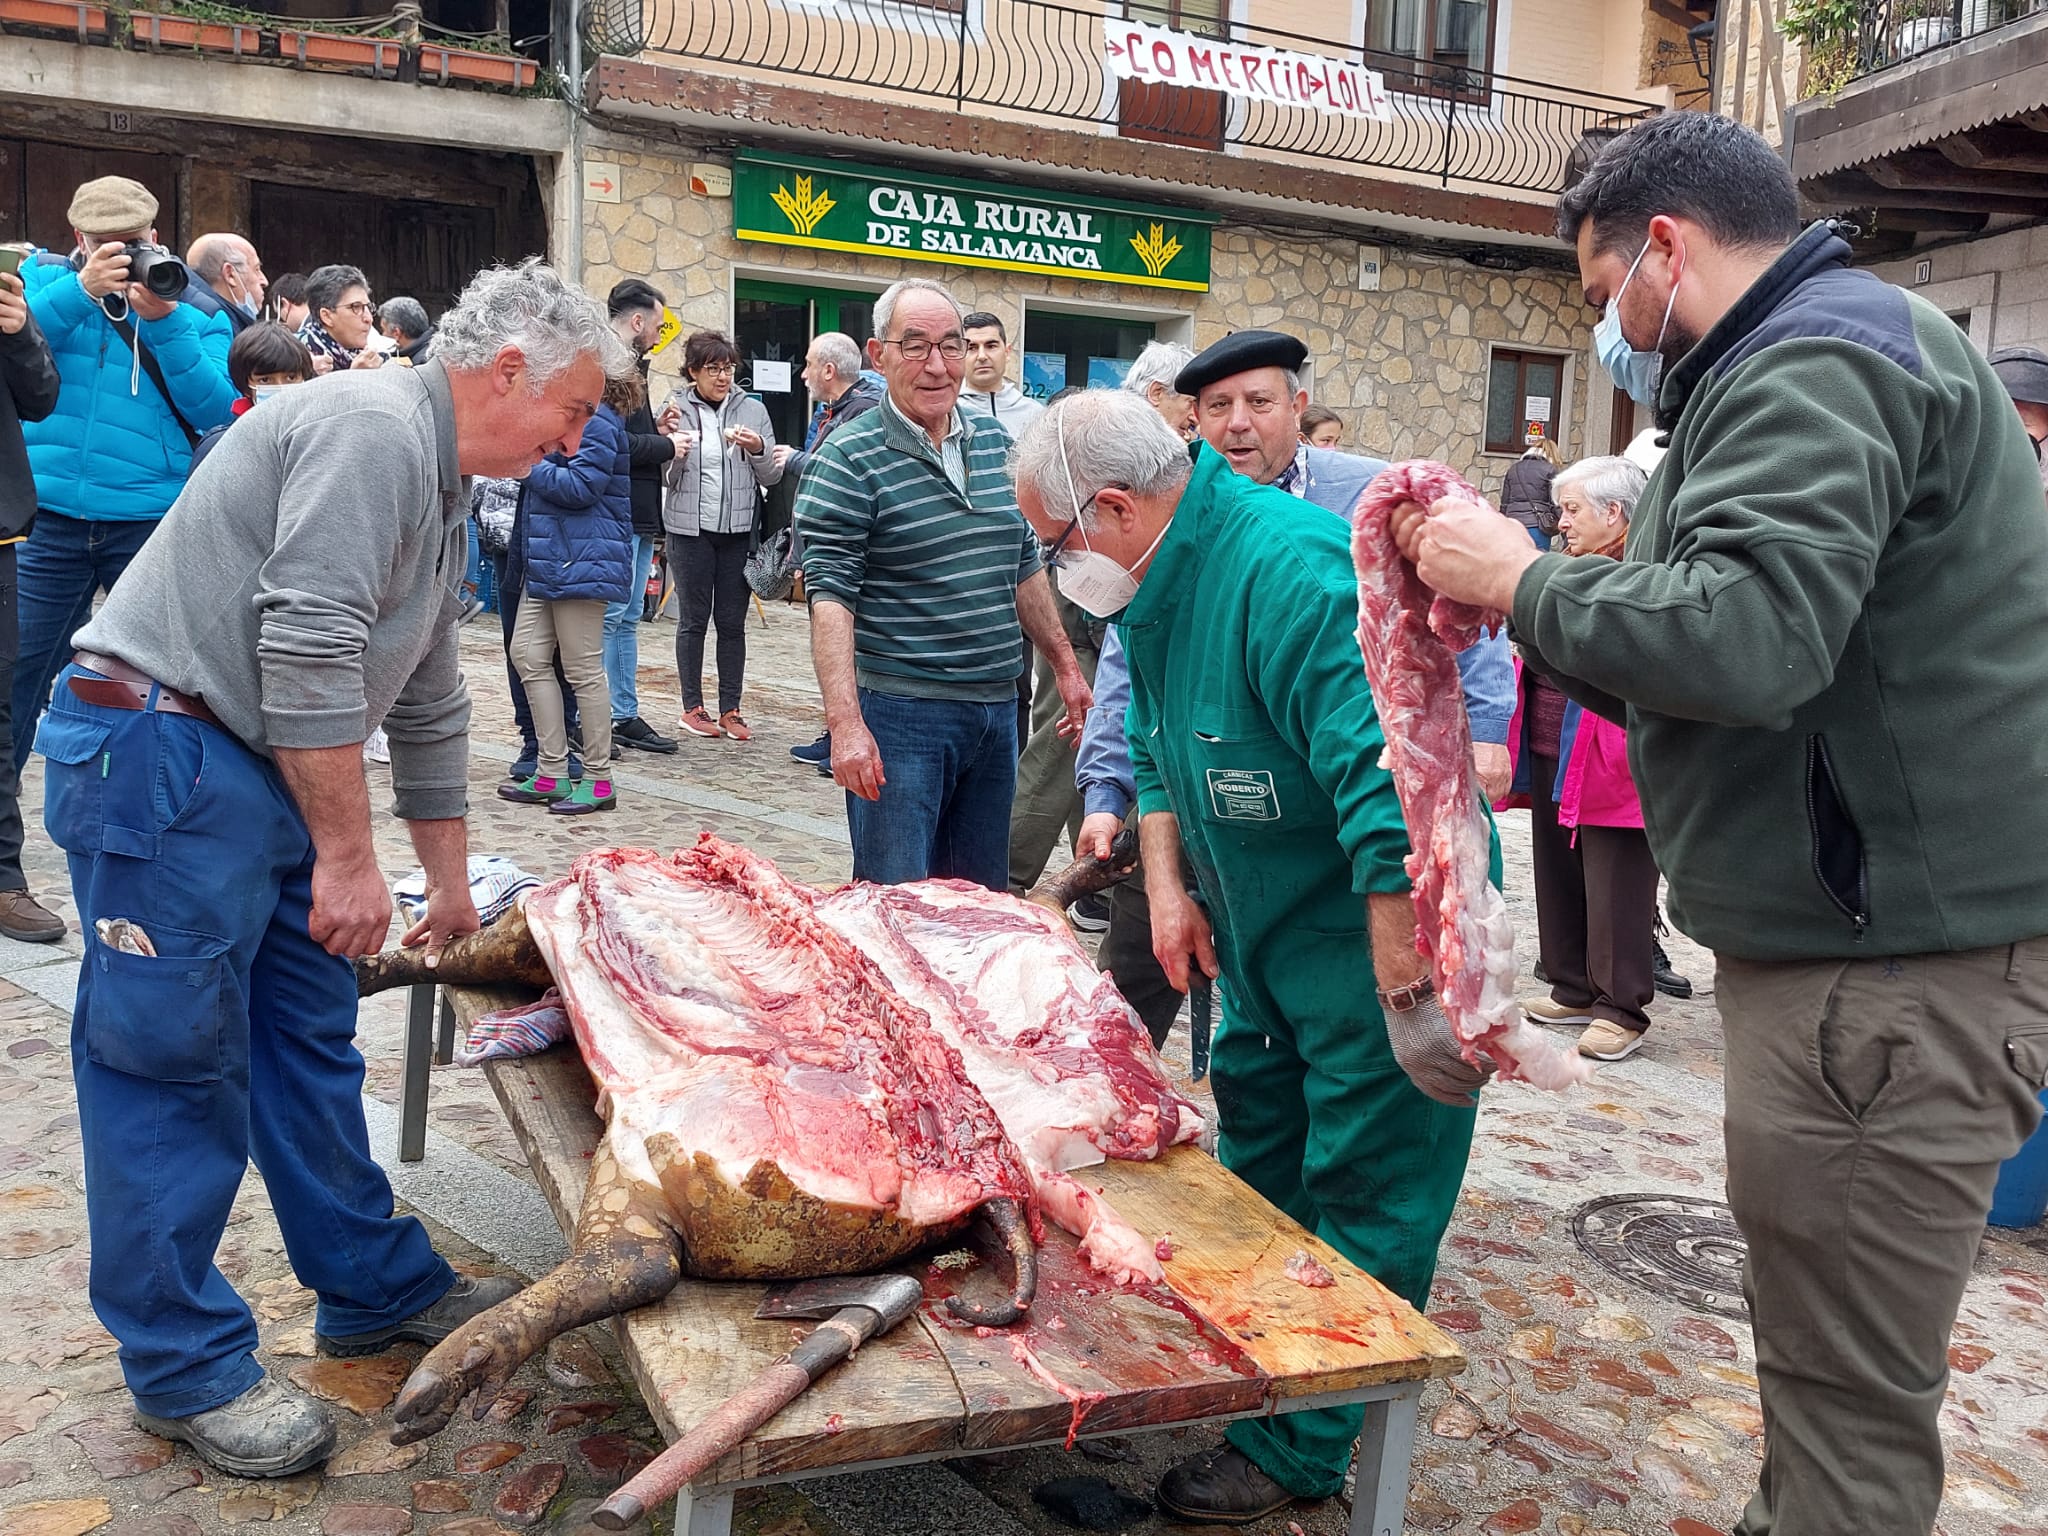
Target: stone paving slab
x=1592 y=1406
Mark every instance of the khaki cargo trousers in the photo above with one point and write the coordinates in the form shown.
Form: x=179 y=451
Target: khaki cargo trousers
x=1870 y=1103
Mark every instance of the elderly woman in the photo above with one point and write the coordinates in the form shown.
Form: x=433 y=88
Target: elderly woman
x=1596 y=882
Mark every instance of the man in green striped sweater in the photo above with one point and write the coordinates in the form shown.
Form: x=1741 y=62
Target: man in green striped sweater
x=920 y=572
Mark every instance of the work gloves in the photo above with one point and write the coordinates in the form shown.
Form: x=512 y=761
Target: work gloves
x=1427 y=1049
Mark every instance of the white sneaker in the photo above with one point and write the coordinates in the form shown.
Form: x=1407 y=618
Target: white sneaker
x=1543 y=1010
x=378 y=748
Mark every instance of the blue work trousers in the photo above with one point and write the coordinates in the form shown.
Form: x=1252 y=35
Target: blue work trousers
x=63 y=564
x=951 y=768
x=622 y=635
x=235 y=1041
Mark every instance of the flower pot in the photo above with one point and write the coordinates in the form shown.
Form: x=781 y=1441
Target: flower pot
x=149 y=29
x=84 y=21
x=337 y=51
x=441 y=65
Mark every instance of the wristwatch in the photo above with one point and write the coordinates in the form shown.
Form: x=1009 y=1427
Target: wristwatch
x=1405 y=999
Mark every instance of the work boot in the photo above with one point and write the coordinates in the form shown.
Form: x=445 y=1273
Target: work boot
x=469 y=1295
x=1662 y=976
x=23 y=917
x=641 y=736
x=1220 y=1487
x=271 y=1430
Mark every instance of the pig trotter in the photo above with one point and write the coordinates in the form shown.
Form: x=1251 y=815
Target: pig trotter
x=1006 y=1220
x=626 y=1255
x=1087 y=875
x=502 y=955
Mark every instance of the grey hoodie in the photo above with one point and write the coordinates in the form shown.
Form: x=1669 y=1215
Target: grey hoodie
x=1013 y=410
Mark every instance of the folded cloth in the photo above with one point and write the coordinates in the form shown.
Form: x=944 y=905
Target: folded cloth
x=515 y=1031
x=495 y=885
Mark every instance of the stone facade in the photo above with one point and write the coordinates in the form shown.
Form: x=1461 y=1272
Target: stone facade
x=1407 y=365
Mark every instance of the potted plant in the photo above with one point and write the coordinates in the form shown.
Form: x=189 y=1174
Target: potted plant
x=173 y=29
x=441 y=64
x=87 y=21
x=343 y=51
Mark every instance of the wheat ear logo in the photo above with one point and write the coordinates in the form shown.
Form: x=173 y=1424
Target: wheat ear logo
x=807 y=207
x=1156 y=249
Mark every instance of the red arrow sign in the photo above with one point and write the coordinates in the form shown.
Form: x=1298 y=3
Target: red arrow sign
x=604 y=185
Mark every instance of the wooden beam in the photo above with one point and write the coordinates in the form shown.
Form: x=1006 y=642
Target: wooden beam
x=1980 y=152
x=1930 y=221
x=1917 y=173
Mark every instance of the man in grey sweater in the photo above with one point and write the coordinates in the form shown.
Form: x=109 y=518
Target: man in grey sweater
x=205 y=779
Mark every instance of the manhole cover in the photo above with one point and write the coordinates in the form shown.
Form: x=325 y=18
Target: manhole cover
x=1688 y=1250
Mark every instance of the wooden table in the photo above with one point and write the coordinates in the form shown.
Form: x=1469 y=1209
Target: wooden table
x=1233 y=1337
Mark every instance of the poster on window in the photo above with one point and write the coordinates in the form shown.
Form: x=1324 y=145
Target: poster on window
x=1320 y=82
x=1107 y=372
x=1045 y=374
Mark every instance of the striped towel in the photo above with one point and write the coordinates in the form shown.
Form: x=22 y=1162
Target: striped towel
x=516 y=1031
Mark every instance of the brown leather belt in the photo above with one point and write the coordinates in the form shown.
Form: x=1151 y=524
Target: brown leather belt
x=120 y=686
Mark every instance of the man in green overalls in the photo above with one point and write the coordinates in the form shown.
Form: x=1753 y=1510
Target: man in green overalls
x=1339 y=1088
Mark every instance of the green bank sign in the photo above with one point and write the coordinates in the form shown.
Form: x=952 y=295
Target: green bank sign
x=787 y=200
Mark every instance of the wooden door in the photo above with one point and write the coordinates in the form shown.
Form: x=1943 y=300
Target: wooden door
x=1622 y=432
x=1174 y=114
x=428 y=250
x=53 y=172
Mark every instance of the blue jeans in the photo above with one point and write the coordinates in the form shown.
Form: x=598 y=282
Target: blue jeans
x=235 y=1041
x=622 y=635
x=945 y=810
x=65 y=561
x=1542 y=539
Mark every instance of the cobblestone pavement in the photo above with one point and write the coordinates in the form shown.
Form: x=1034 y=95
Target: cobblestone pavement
x=1592 y=1406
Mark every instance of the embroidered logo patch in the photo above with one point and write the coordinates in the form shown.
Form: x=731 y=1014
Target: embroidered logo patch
x=1242 y=794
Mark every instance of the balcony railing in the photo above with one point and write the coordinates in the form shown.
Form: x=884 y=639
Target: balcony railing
x=1045 y=60
x=1884 y=33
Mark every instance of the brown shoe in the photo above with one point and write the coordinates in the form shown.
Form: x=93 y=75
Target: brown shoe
x=1220 y=1487
x=733 y=726
x=21 y=917
x=698 y=722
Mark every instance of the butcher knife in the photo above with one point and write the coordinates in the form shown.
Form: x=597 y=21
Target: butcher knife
x=852 y=1309
x=1201 y=1013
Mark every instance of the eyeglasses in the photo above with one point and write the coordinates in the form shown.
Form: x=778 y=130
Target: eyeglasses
x=918 y=348
x=361 y=307
x=726 y=370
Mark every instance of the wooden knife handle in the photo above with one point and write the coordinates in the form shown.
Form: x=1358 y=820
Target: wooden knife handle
x=704 y=1443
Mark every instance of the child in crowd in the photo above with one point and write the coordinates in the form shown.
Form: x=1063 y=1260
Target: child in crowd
x=262 y=360
x=575 y=528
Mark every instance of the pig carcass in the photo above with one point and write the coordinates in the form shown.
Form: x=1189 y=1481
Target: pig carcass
x=790 y=1090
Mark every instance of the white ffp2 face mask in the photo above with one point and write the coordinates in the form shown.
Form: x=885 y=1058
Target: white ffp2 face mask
x=1089 y=579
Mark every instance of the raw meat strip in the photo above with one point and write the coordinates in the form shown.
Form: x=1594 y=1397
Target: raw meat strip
x=1110 y=1244
x=1409 y=635
x=1048 y=1038
x=713 y=1006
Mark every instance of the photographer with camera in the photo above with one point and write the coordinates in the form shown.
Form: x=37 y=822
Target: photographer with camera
x=143 y=377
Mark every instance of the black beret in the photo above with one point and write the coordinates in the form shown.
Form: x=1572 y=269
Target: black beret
x=1240 y=352
x=2024 y=373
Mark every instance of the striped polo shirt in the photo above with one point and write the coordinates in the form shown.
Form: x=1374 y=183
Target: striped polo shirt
x=929 y=572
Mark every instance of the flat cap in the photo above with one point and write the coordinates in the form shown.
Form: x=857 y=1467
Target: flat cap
x=2024 y=373
x=112 y=205
x=1240 y=352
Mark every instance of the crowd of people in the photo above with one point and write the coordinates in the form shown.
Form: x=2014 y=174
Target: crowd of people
x=1787 y=669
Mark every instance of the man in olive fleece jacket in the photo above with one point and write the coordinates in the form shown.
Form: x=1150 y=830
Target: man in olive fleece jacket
x=1829 y=643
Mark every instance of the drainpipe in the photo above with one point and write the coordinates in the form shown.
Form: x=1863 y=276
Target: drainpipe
x=569 y=237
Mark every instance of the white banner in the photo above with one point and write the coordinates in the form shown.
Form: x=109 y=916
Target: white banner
x=1322 y=83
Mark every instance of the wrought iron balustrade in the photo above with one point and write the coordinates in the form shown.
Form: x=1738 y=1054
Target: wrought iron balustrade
x=1045 y=60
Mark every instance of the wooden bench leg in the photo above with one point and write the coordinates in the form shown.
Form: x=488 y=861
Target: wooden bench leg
x=703 y=1514
x=1380 y=1504
x=444 y=1033
x=412 y=1092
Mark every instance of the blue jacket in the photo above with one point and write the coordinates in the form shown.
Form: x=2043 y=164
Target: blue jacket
x=112 y=451
x=577 y=533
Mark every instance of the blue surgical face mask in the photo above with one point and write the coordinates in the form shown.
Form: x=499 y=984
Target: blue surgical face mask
x=1636 y=374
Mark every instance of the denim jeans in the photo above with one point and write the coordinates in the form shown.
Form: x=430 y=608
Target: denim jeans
x=951 y=769
x=235 y=1041
x=622 y=635
x=64 y=563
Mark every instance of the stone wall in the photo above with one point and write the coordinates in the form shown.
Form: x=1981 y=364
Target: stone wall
x=1407 y=365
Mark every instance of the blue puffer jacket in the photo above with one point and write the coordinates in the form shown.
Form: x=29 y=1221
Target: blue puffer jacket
x=111 y=451
x=578 y=518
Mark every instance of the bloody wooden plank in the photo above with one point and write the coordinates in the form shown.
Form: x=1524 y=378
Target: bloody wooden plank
x=1232 y=1335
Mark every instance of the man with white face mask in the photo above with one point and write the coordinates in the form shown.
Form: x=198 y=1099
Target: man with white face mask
x=1828 y=641
x=1255 y=747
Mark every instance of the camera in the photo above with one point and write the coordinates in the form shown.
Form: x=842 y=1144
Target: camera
x=156 y=269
